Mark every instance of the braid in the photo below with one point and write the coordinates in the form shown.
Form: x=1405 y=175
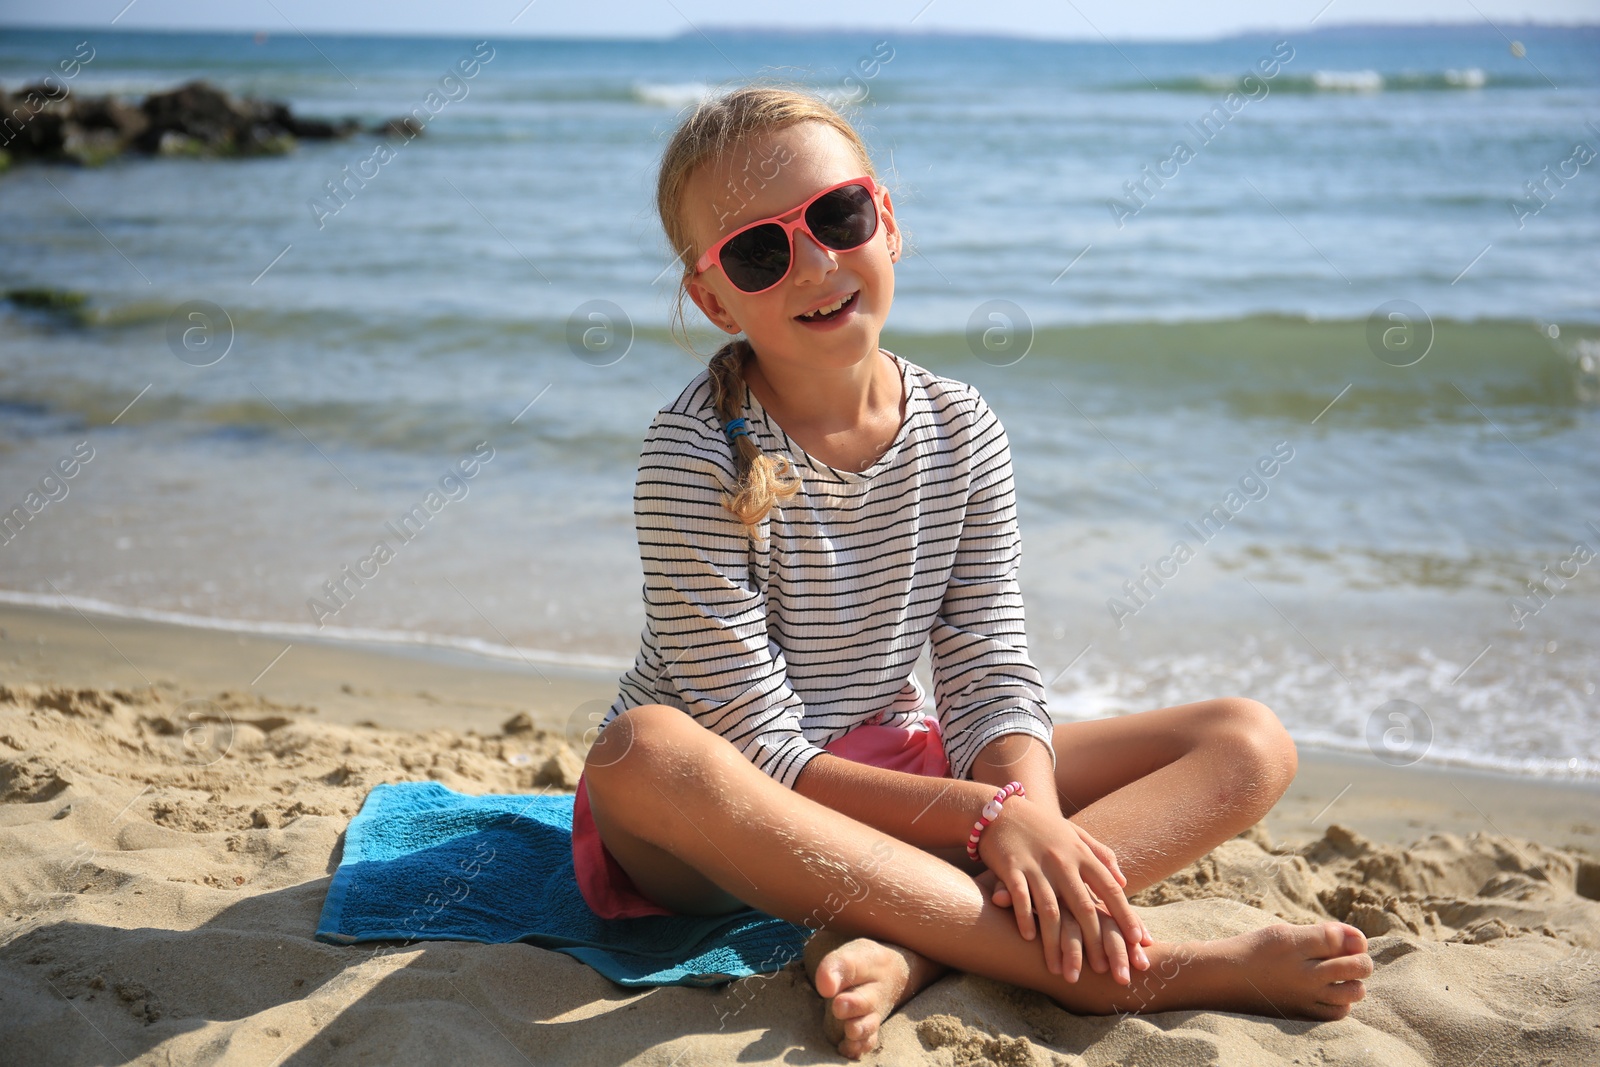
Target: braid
x=716 y=125
x=762 y=481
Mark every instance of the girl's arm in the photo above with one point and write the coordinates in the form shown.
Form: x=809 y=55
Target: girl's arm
x=707 y=647
x=985 y=685
x=918 y=809
x=991 y=702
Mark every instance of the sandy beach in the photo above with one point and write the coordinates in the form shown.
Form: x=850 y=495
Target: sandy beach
x=169 y=830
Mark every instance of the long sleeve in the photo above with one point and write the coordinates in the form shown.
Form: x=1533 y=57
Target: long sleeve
x=708 y=649
x=985 y=686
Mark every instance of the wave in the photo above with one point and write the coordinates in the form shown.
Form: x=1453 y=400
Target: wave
x=1344 y=81
x=674 y=96
x=1474 y=728
x=1264 y=365
x=1094 y=698
x=1359 y=81
x=1481 y=343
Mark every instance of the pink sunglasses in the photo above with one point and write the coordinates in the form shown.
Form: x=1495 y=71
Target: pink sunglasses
x=758 y=256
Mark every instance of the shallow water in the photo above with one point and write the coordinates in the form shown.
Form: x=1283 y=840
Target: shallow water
x=1230 y=313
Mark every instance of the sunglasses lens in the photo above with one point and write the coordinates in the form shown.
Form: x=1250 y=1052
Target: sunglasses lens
x=757 y=258
x=844 y=219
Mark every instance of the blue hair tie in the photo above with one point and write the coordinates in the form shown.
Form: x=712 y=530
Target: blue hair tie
x=734 y=429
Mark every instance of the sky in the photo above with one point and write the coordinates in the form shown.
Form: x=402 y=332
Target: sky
x=1083 y=19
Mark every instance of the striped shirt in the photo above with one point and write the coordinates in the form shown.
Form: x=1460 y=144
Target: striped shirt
x=785 y=644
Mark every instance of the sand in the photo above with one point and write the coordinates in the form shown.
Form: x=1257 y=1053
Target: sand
x=167 y=831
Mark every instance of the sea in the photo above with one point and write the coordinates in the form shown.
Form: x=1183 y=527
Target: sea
x=1295 y=336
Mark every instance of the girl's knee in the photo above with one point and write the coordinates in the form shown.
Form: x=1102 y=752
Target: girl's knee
x=619 y=740
x=642 y=737
x=1253 y=734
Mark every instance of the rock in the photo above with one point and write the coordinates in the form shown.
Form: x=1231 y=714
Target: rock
x=208 y=119
x=90 y=147
x=173 y=143
x=560 y=770
x=32 y=123
x=198 y=110
x=64 y=304
x=264 y=141
x=197 y=119
x=520 y=723
x=320 y=129
x=124 y=120
x=404 y=126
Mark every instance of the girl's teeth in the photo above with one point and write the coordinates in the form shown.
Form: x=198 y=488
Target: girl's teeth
x=830 y=309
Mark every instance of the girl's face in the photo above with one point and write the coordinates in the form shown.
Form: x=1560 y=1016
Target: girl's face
x=726 y=194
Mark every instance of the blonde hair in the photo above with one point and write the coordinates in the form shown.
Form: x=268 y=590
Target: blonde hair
x=716 y=125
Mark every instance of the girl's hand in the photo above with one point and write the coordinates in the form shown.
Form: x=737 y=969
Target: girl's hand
x=1044 y=860
x=1073 y=952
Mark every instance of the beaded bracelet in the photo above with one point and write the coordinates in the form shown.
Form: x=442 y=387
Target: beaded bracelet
x=991 y=812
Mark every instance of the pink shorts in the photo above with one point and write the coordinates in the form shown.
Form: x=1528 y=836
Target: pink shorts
x=916 y=749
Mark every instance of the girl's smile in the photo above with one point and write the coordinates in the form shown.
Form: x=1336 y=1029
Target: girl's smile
x=830 y=313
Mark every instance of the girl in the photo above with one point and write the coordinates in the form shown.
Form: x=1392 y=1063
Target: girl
x=812 y=511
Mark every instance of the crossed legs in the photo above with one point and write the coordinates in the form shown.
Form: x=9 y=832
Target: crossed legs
x=701 y=830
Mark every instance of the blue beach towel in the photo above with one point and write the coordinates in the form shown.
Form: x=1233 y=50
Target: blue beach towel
x=425 y=863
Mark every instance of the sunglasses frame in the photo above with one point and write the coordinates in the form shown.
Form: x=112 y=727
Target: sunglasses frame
x=713 y=255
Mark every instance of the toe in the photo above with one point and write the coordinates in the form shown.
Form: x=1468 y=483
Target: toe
x=837 y=972
x=834 y=1029
x=822 y=945
x=1338 y=939
x=849 y=1005
x=864 y=1028
x=854 y=1049
x=1344 y=968
x=1344 y=993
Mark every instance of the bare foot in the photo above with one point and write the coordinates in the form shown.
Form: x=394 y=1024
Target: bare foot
x=1312 y=972
x=864 y=981
x=1280 y=971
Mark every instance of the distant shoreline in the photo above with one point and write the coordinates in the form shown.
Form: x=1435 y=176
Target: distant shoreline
x=798 y=33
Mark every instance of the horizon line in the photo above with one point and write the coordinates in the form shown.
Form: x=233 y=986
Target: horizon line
x=756 y=29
